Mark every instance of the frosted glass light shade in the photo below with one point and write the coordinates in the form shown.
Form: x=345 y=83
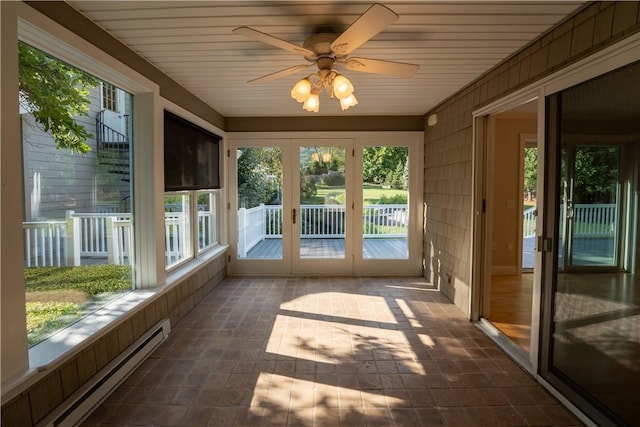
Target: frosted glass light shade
x=312 y=103
x=342 y=87
x=347 y=102
x=301 y=90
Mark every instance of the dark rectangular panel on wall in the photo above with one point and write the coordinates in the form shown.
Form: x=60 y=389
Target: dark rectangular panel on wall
x=191 y=156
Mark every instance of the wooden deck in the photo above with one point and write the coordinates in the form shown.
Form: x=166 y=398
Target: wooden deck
x=332 y=248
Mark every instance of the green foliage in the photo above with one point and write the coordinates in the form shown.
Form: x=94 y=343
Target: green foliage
x=596 y=174
x=385 y=165
x=92 y=279
x=259 y=175
x=317 y=168
x=308 y=187
x=333 y=179
x=530 y=170
x=55 y=93
x=372 y=193
x=44 y=318
x=397 y=178
x=338 y=198
x=393 y=199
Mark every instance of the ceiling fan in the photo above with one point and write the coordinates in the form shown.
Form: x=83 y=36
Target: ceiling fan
x=328 y=51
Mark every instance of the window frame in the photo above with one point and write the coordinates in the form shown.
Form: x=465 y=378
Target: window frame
x=109 y=97
x=195 y=252
x=221 y=197
x=42 y=33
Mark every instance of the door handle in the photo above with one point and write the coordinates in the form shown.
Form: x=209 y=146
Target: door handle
x=293 y=215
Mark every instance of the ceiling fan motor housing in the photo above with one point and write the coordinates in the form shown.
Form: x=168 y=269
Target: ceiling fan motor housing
x=320 y=44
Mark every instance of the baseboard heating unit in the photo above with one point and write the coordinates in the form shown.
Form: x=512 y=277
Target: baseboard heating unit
x=83 y=402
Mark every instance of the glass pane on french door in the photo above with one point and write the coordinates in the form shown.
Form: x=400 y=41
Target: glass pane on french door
x=322 y=213
x=259 y=221
x=385 y=202
x=592 y=206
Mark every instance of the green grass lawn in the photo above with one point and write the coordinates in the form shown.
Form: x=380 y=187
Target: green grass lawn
x=55 y=296
x=372 y=193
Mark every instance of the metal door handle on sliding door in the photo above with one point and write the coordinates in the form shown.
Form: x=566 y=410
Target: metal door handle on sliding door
x=293 y=215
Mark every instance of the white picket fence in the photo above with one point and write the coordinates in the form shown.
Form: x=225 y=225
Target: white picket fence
x=318 y=222
x=107 y=235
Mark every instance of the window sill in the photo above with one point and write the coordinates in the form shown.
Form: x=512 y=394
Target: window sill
x=47 y=352
x=52 y=352
x=179 y=272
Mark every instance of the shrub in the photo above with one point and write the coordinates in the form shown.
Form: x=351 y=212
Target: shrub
x=396 y=199
x=307 y=187
x=333 y=179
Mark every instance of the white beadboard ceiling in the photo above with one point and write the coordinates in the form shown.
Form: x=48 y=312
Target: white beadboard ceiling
x=192 y=42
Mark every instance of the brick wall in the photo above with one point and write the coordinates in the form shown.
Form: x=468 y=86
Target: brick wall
x=35 y=403
x=449 y=144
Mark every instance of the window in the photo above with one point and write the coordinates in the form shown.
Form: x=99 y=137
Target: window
x=77 y=218
x=109 y=97
x=191 y=181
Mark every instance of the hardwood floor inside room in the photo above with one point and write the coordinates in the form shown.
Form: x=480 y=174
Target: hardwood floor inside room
x=510 y=307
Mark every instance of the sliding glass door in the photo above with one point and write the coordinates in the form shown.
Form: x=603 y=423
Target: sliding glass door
x=590 y=344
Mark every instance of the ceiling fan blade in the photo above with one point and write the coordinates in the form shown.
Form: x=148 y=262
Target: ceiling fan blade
x=370 y=23
x=271 y=40
x=378 y=66
x=279 y=74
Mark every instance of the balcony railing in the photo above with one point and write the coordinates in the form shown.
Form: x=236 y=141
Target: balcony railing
x=589 y=220
x=318 y=222
x=110 y=235
x=105 y=236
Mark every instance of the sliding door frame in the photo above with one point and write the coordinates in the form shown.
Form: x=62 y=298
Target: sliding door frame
x=616 y=56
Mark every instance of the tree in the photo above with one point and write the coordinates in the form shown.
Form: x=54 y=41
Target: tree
x=380 y=164
x=596 y=174
x=257 y=179
x=530 y=170
x=55 y=93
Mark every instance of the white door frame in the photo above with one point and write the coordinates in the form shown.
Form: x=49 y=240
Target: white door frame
x=618 y=55
x=356 y=265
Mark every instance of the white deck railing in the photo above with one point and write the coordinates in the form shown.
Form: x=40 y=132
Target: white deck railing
x=106 y=235
x=595 y=220
x=318 y=222
x=589 y=220
x=529 y=222
x=110 y=235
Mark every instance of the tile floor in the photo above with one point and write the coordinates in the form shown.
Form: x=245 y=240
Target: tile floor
x=328 y=352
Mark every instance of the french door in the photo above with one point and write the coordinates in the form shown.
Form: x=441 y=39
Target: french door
x=591 y=213
x=330 y=206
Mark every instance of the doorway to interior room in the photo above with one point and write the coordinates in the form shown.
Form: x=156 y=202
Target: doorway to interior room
x=510 y=194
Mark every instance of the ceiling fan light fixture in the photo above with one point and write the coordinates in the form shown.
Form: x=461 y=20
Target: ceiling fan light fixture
x=342 y=87
x=312 y=103
x=347 y=102
x=301 y=90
